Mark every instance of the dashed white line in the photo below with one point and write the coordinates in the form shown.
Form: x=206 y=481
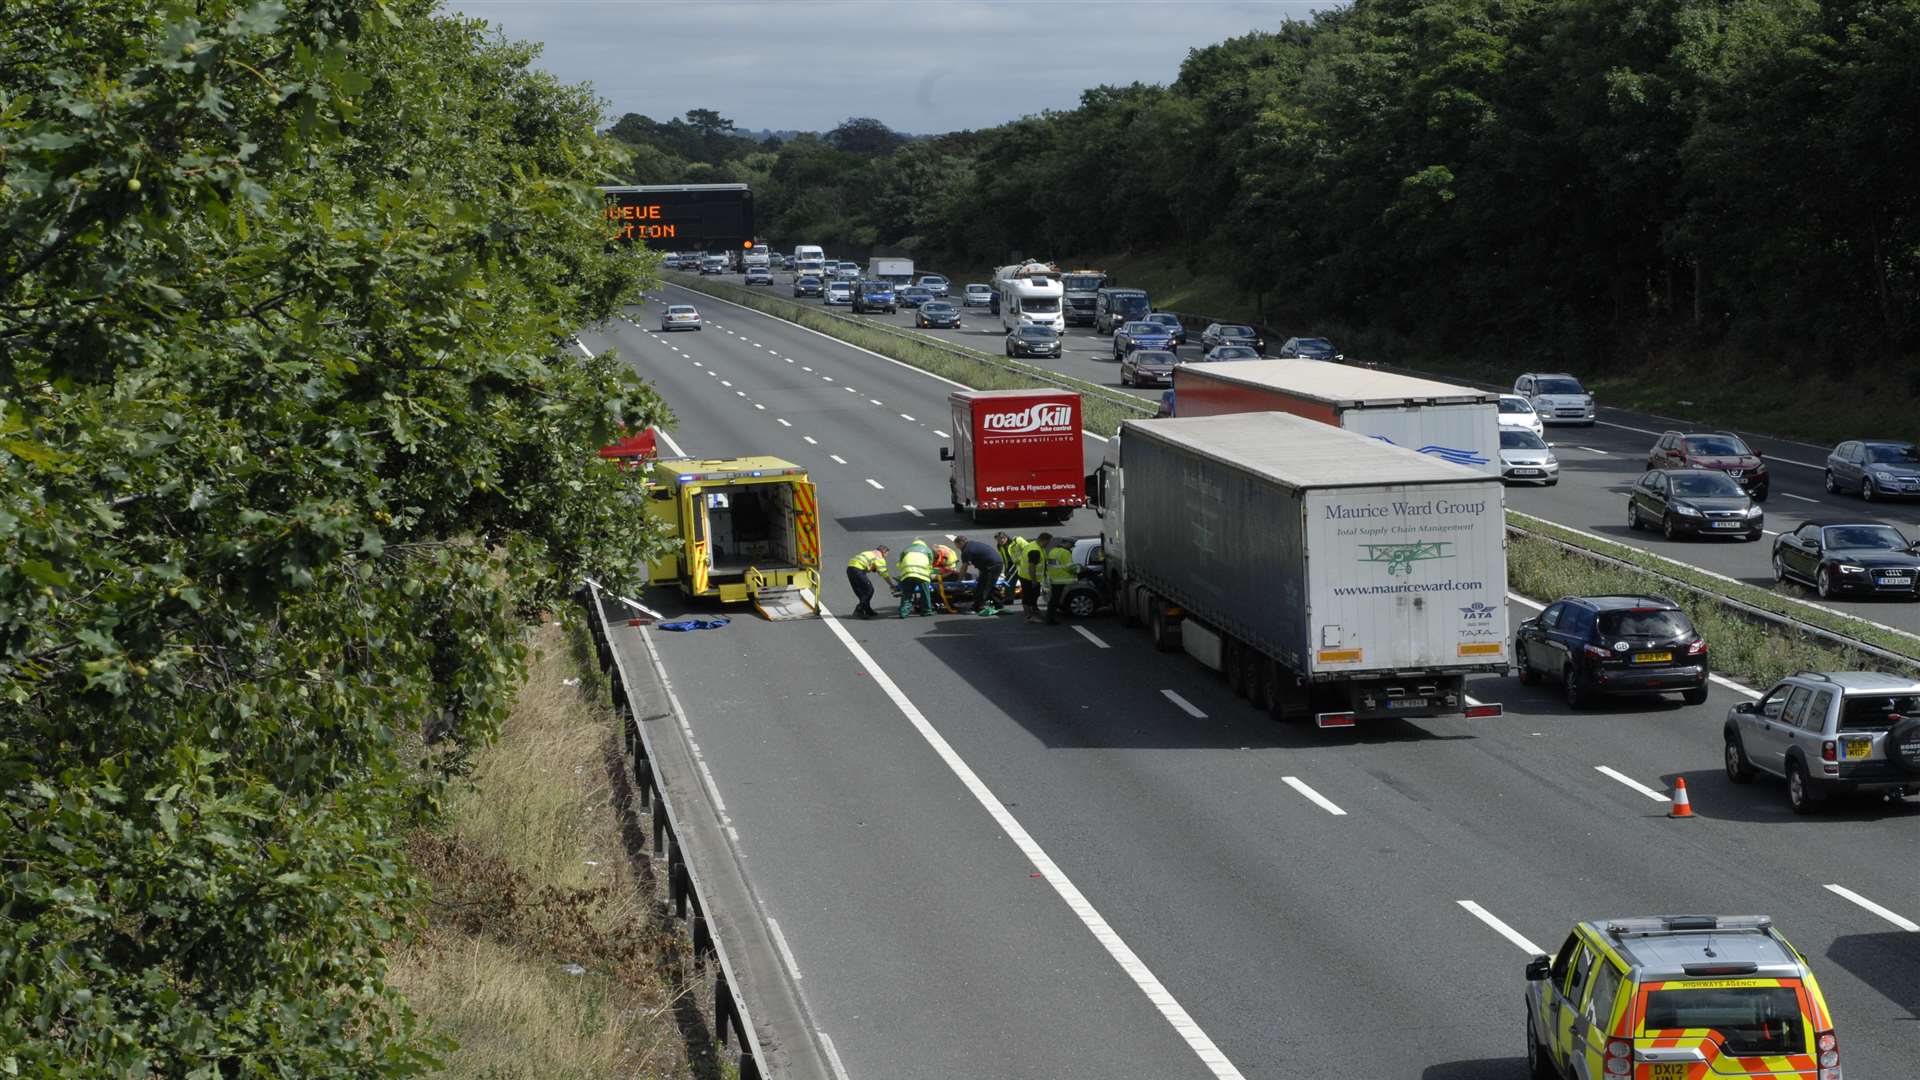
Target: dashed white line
x=908 y=419
x=739 y=393
x=1802 y=498
x=1088 y=634
x=1313 y=796
x=786 y=954
x=835 y=457
x=788 y=359
x=1610 y=771
x=942 y=434
x=782 y=421
x=759 y=406
x=826 y=378
x=811 y=441
x=850 y=389
x=876 y=401
x=1186 y=706
x=696 y=363
x=724 y=382
x=1893 y=917
x=1501 y=928
x=875 y=484
x=804 y=367
x=1592 y=450
x=1116 y=947
x=911 y=510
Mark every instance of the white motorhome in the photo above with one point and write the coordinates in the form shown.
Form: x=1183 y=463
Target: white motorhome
x=809 y=259
x=1030 y=295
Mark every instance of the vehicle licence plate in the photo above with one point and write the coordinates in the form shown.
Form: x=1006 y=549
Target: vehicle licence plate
x=1031 y=505
x=1653 y=658
x=1892 y=579
x=1858 y=749
x=1526 y=472
x=1407 y=703
x=1727 y=524
x=1669 y=1070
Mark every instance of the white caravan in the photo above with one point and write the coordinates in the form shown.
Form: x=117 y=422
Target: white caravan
x=1030 y=295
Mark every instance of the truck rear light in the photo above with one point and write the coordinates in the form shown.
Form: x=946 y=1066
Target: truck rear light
x=1828 y=752
x=1698 y=647
x=1485 y=712
x=1334 y=719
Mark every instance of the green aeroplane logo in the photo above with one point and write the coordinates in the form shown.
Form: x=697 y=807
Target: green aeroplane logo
x=1401 y=557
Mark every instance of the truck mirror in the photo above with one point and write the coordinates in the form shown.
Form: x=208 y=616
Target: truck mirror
x=946 y=453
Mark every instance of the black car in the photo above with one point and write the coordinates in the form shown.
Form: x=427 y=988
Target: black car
x=1309 y=348
x=914 y=295
x=1693 y=502
x=1140 y=335
x=1033 y=341
x=1172 y=322
x=1230 y=352
x=1233 y=334
x=807 y=285
x=1848 y=559
x=1613 y=645
x=937 y=315
x=1147 y=367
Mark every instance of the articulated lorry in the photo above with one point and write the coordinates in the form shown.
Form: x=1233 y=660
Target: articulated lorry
x=1453 y=423
x=1326 y=574
x=1017 y=452
x=749 y=530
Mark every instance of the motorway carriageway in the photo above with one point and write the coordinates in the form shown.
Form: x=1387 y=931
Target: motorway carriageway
x=995 y=849
x=1598 y=465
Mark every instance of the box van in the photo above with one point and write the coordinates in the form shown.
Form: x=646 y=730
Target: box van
x=1111 y=307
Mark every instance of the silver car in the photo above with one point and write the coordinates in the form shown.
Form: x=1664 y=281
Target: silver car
x=1558 y=398
x=1526 y=459
x=680 y=317
x=1874 y=468
x=1827 y=733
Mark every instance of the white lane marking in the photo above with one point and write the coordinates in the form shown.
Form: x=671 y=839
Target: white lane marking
x=697 y=363
x=1734 y=686
x=1076 y=901
x=833 y=1056
x=847 y=345
x=826 y=378
x=739 y=393
x=804 y=367
x=1185 y=706
x=942 y=434
x=1501 y=928
x=850 y=390
x=835 y=457
x=788 y=359
x=1592 y=450
x=876 y=401
x=909 y=509
x=724 y=382
x=782 y=421
x=908 y=419
x=1088 y=634
x=1315 y=797
x=1802 y=498
x=1893 y=917
x=1790 y=461
x=786 y=954
x=759 y=406
x=1608 y=770
x=671 y=445
x=584 y=351
x=811 y=441
x=875 y=484
x=1524 y=602
x=1629 y=427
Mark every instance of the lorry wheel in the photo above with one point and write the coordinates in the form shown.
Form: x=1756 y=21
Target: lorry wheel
x=1166 y=633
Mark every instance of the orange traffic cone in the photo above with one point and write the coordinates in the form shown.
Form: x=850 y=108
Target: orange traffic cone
x=1682 y=806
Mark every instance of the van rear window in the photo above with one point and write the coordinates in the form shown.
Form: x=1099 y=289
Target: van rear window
x=1749 y=1020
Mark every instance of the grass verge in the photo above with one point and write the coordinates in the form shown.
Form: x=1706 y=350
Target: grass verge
x=542 y=955
x=1101 y=409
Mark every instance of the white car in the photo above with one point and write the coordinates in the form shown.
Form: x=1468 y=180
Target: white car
x=1517 y=412
x=1526 y=459
x=1557 y=397
x=839 y=292
x=680 y=317
x=977 y=296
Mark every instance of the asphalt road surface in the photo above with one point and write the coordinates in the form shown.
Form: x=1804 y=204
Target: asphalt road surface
x=1597 y=467
x=997 y=849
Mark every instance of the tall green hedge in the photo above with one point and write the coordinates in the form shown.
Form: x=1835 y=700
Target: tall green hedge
x=292 y=440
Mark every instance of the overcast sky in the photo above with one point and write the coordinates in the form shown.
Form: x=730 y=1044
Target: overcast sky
x=916 y=65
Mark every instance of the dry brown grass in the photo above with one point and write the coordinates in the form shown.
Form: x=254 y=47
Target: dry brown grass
x=531 y=883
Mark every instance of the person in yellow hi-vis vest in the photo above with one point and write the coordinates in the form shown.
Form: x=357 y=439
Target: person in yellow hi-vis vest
x=1062 y=571
x=916 y=581
x=871 y=561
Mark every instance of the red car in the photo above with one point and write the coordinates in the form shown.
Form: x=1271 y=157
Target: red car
x=1724 y=451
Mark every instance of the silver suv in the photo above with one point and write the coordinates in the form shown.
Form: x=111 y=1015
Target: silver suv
x=1839 y=731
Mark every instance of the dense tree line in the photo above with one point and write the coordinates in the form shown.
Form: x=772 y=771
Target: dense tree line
x=1556 y=178
x=293 y=442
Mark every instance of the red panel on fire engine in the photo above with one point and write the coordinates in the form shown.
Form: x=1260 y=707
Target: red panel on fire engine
x=1017 y=450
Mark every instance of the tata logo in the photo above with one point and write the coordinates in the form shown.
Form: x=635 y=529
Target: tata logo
x=1476 y=612
x=1044 y=419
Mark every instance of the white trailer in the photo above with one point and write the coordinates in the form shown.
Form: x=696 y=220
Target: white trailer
x=898 y=271
x=1325 y=573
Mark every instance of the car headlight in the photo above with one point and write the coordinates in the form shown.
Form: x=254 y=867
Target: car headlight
x=1686 y=510
x=1848 y=568
x=1754 y=511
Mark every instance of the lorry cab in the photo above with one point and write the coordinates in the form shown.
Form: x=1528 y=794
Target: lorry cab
x=749 y=530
